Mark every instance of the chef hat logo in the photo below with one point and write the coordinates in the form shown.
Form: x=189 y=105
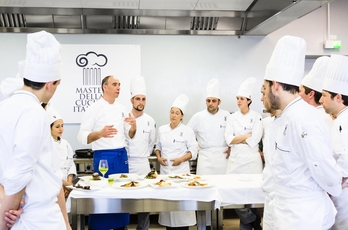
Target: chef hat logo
x=287 y=61
x=336 y=80
x=181 y=102
x=246 y=88
x=43 y=62
x=315 y=78
x=213 y=88
x=53 y=115
x=138 y=86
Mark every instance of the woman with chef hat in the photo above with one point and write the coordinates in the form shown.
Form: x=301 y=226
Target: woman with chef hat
x=63 y=150
x=243 y=133
x=176 y=145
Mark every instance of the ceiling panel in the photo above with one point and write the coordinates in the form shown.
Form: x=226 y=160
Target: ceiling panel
x=168 y=4
x=234 y=5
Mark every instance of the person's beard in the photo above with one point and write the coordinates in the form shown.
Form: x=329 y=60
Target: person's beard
x=137 y=108
x=274 y=101
x=212 y=110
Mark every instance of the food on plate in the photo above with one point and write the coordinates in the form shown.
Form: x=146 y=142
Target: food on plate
x=176 y=177
x=82 y=187
x=196 y=178
x=123 y=176
x=131 y=184
x=152 y=175
x=163 y=183
x=95 y=176
x=197 y=184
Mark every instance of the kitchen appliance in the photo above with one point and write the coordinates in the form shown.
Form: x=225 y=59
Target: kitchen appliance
x=83 y=160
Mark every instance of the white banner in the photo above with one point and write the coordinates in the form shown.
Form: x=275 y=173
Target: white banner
x=84 y=67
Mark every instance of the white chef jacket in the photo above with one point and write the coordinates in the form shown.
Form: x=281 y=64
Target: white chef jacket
x=303 y=169
x=141 y=145
x=326 y=116
x=174 y=143
x=65 y=155
x=97 y=116
x=210 y=130
x=340 y=144
x=26 y=161
x=244 y=158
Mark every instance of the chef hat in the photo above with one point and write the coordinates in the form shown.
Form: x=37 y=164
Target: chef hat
x=43 y=62
x=246 y=88
x=287 y=61
x=138 y=86
x=181 y=102
x=53 y=115
x=213 y=88
x=336 y=80
x=315 y=78
x=9 y=85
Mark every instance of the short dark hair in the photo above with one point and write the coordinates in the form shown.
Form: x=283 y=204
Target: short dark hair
x=105 y=81
x=317 y=95
x=287 y=87
x=250 y=102
x=344 y=97
x=35 y=85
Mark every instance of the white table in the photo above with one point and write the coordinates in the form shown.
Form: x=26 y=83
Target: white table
x=231 y=191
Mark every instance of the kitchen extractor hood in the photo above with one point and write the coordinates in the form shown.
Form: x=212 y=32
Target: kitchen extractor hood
x=185 y=17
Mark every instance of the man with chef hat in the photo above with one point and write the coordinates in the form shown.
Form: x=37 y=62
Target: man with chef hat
x=26 y=165
x=312 y=84
x=335 y=101
x=303 y=168
x=106 y=127
x=243 y=134
x=141 y=145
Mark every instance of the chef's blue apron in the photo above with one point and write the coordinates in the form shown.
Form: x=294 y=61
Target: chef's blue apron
x=118 y=163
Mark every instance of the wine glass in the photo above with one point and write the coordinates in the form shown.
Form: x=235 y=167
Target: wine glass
x=103 y=167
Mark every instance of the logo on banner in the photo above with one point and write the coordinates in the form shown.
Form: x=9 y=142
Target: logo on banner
x=91 y=65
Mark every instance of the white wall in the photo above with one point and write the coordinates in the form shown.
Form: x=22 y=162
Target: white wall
x=184 y=64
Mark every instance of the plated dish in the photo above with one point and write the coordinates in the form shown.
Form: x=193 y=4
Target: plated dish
x=197 y=184
x=130 y=185
x=124 y=176
x=86 y=188
x=163 y=184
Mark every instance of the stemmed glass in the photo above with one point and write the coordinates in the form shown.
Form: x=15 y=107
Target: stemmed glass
x=103 y=167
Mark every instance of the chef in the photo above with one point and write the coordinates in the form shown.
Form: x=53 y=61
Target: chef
x=335 y=101
x=209 y=126
x=312 y=84
x=105 y=126
x=243 y=134
x=303 y=168
x=141 y=145
x=176 y=145
x=26 y=148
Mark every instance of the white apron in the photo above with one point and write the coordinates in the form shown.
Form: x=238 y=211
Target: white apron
x=212 y=161
x=139 y=165
x=244 y=159
x=268 y=213
x=302 y=210
x=341 y=204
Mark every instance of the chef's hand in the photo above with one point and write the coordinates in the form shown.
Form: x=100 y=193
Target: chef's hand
x=12 y=215
x=108 y=131
x=132 y=121
x=344 y=182
x=228 y=152
x=162 y=161
x=176 y=161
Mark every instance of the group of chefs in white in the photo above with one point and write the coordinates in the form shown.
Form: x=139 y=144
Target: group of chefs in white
x=306 y=165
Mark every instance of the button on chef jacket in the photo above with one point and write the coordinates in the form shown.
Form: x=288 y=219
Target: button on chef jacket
x=141 y=145
x=98 y=115
x=26 y=160
x=303 y=169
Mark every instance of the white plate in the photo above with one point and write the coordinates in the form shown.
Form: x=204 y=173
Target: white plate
x=87 y=180
x=119 y=185
x=91 y=188
x=182 y=178
x=185 y=184
x=130 y=176
x=154 y=185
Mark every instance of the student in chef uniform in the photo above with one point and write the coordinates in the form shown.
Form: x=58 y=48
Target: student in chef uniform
x=303 y=168
x=209 y=126
x=105 y=126
x=141 y=145
x=311 y=86
x=62 y=149
x=243 y=134
x=176 y=145
x=335 y=101
x=26 y=152
x=269 y=123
